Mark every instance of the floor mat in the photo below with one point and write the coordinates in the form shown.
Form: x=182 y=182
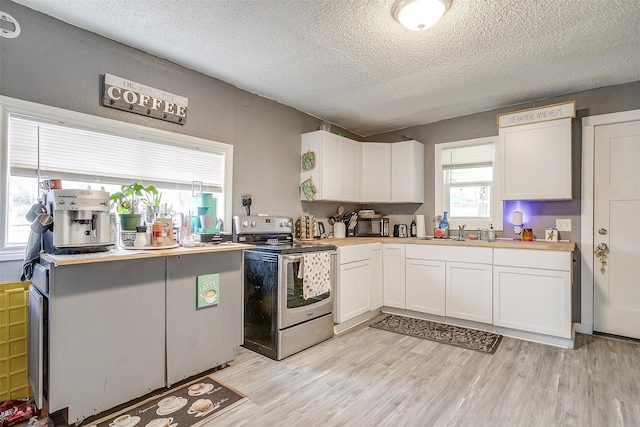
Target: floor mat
x=191 y=404
x=485 y=342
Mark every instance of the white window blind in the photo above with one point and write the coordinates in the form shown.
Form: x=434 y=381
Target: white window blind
x=467 y=157
x=69 y=151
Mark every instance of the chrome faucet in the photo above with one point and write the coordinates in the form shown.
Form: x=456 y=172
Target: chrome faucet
x=461 y=231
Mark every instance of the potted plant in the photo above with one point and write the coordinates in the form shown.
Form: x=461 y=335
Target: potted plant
x=126 y=201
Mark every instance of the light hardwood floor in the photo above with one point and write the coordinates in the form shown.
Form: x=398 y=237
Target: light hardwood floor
x=370 y=377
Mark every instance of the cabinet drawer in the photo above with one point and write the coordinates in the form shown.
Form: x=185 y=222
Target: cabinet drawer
x=532 y=258
x=450 y=253
x=356 y=253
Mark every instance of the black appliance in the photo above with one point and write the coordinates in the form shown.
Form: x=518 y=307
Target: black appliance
x=278 y=320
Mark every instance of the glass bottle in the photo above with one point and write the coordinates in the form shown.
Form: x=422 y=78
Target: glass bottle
x=414 y=228
x=444 y=222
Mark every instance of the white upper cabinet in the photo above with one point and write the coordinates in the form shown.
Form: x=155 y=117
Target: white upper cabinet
x=330 y=167
x=376 y=172
x=393 y=173
x=335 y=168
x=407 y=172
x=536 y=161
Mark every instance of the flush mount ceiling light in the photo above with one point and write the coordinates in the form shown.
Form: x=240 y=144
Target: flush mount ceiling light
x=418 y=15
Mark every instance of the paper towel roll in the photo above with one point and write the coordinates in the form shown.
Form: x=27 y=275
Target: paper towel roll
x=420 y=226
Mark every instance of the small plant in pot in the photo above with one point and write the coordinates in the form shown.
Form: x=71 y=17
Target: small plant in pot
x=126 y=201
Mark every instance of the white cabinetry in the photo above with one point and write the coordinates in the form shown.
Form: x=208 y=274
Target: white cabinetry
x=336 y=170
x=469 y=291
x=393 y=172
x=393 y=259
x=376 y=293
x=450 y=281
x=376 y=172
x=532 y=291
x=536 y=160
x=425 y=286
x=359 y=281
x=407 y=172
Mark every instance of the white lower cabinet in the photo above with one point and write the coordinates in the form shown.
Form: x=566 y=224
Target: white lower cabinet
x=393 y=271
x=440 y=281
x=376 y=293
x=359 y=281
x=425 y=286
x=532 y=291
x=469 y=291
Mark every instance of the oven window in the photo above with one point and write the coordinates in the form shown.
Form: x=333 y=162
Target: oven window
x=294 y=288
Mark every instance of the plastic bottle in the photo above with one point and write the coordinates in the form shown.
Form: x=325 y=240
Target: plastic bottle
x=491 y=235
x=157 y=239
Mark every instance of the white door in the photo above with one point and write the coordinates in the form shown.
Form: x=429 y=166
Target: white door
x=617 y=225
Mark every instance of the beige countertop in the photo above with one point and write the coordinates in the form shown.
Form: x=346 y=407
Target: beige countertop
x=501 y=243
x=120 y=254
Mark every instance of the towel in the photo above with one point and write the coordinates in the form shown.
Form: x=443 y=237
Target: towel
x=317 y=274
x=31 y=256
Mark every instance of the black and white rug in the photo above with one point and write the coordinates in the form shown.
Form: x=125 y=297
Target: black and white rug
x=484 y=342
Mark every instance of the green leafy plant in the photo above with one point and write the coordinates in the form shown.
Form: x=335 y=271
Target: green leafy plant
x=126 y=200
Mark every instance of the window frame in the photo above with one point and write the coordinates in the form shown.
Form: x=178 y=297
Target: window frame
x=496 y=196
x=9 y=106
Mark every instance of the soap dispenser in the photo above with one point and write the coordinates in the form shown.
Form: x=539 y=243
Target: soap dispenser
x=491 y=235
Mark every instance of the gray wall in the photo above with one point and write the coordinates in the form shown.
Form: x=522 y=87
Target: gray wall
x=57 y=64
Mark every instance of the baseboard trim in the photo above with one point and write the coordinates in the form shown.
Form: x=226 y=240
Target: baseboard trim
x=583 y=329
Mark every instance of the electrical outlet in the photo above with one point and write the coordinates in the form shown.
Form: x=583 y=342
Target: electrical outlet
x=563 y=224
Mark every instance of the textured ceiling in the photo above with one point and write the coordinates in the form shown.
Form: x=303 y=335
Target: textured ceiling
x=350 y=63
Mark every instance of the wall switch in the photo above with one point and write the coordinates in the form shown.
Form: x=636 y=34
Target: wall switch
x=563 y=224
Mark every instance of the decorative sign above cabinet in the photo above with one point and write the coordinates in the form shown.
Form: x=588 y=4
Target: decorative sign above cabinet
x=126 y=95
x=538 y=114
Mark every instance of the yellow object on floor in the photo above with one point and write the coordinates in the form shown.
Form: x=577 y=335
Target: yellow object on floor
x=14 y=315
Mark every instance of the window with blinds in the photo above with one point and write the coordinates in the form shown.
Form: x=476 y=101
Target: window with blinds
x=466 y=184
x=97 y=157
x=83 y=158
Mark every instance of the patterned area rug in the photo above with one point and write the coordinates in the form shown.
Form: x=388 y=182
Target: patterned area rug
x=192 y=404
x=484 y=342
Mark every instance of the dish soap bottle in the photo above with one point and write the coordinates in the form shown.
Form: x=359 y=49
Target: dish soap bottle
x=414 y=228
x=491 y=235
x=444 y=224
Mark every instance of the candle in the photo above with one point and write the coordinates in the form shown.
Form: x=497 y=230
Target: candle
x=516 y=218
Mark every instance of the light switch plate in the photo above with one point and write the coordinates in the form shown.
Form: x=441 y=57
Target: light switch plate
x=563 y=224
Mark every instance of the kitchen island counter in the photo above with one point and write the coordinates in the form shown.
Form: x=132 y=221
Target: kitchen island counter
x=126 y=254
x=123 y=323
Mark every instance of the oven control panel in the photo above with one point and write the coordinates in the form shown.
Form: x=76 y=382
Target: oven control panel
x=261 y=224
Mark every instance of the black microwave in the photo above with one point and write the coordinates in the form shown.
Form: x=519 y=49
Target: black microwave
x=372 y=227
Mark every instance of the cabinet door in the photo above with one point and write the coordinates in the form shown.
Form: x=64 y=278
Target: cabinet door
x=353 y=290
x=350 y=171
x=393 y=269
x=375 y=276
x=469 y=291
x=529 y=149
x=332 y=167
x=425 y=286
x=407 y=172
x=376 y=172
x=533 y=300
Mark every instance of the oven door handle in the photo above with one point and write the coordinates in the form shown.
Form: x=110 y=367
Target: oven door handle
x=299 y=257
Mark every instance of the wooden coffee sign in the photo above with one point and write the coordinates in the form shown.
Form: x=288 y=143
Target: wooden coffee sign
x=126 y=95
